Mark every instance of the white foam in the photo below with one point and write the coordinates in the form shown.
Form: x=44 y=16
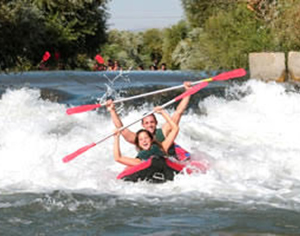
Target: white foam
x=252 y=144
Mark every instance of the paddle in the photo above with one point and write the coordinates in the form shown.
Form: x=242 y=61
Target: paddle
x=189 y=92
x=99 y=59
x=220 y=77
x=46 y=56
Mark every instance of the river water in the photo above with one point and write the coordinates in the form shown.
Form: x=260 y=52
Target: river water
x=247 y=130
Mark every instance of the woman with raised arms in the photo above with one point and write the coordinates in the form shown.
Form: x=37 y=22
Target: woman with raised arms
x=145 y=143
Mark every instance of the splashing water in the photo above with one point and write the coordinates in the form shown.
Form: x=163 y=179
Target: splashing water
x=251 y=142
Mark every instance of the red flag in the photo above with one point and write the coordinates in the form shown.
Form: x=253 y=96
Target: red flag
x=99 y=59
x=46 y=56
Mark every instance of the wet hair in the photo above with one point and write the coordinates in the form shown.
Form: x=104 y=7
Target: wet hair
x=136 y=140
x=150 y=115
x=153 y=140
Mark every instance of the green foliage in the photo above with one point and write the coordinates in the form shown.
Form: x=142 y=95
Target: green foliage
x=220 y=36
x=188 y=52
x=217 y=34
x=28 y=28
x=198 y=11
x=287 y=26
x=132 y=49
x=84 y=62
x=224 y=42
x=230 y=36
x=19 y=27
x=152 y=44
x=172 y=37
x=124 y=46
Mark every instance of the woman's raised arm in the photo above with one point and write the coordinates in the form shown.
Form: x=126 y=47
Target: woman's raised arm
x=117 y=153
x=170 y=138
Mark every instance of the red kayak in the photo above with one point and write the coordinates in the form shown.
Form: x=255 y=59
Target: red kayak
x=182 y=154
x=161 y=169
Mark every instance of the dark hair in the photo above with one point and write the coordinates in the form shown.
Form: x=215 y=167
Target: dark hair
x=149 y=115
x=163 y=66
x=136 y=140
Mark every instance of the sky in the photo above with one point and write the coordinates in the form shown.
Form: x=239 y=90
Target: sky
x=144 y=14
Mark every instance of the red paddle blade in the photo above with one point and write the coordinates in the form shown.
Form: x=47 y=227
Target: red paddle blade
x=78 y=152
x=224 y=76
x=46 y=56
x=230 y=75
x=99 y=59
x=191 y=91
x=83 y=108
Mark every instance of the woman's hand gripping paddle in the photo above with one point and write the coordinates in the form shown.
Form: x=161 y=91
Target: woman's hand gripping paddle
x=89 y=107
x=87 y=147
x=191 y=91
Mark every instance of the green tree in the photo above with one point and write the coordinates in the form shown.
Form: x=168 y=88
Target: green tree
x=226 y=40
x=28 y=28
x=198 y=11
x=20 y=24
x=287 y=26
x=171 y=38
x=239 y=33
x=152 y=45
x=124 y=46
x=188 y=53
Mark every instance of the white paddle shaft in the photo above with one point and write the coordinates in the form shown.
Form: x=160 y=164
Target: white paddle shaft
x=132 y=123
x=157 y=91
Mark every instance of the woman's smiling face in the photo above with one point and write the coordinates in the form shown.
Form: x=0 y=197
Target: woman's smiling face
x=145 y=141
